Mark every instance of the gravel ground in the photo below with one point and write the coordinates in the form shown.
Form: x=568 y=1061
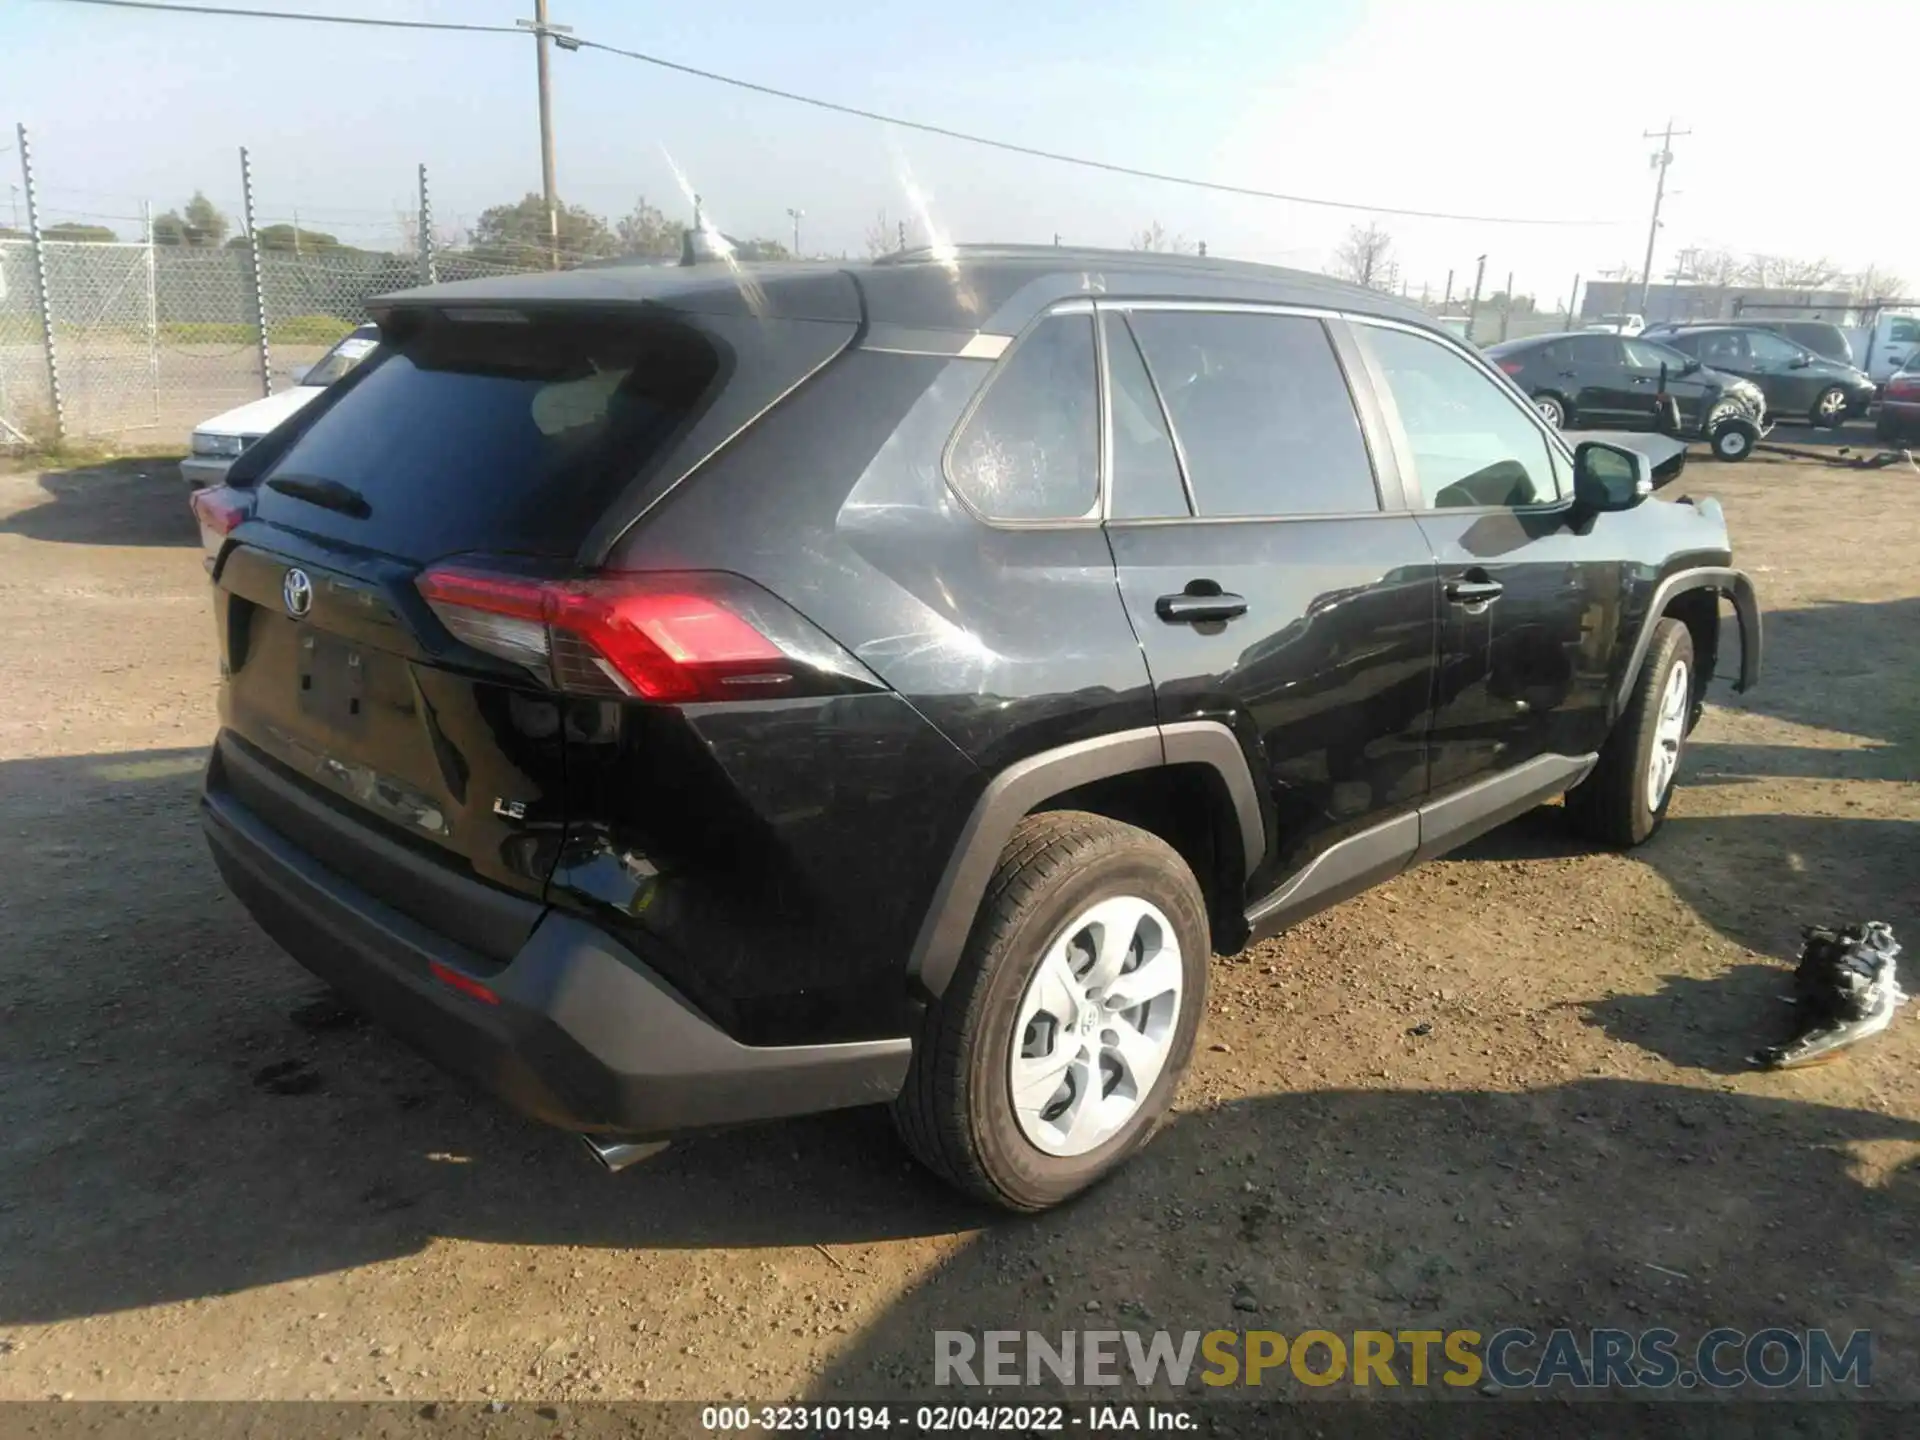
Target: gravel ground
x=1505 y=1089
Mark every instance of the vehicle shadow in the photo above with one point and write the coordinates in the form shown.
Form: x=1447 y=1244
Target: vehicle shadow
x=188 y=1117
x=1389 y=1210
x=1845 y=666
x=136 y=500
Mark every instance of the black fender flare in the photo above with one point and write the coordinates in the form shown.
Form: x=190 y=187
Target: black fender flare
x=1736 y=586
x=1031 y=782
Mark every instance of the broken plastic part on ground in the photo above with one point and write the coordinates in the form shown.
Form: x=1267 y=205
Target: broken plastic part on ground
x=1847 y=989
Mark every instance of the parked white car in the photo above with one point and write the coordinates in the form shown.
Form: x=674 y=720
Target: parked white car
x=218 y=442
x=1620 y=324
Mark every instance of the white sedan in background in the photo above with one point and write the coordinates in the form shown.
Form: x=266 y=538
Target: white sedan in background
x=218 y=442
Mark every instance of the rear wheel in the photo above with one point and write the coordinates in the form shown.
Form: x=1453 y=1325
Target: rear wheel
x=1624 y=801
x=1552 y=409
x=1058 y=1045
x=1732 y=441
x=1830 y=410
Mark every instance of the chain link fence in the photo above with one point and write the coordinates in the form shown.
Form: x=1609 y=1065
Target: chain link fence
x=150 y=340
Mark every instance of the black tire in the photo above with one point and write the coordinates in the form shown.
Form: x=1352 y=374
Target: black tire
x=1553 y=409
x=1611 y=805
x=1731 y=442
x=1830 y=408
x=955 y=1112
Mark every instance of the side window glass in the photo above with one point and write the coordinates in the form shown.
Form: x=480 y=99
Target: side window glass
x=1031 y=448
x=1903 y=331
x=1771 y=348
x=1262 y=412
x=1724 y=348
x=1472 y=443
x=1596 y=350
x=1145 y=475
x=1644 y=356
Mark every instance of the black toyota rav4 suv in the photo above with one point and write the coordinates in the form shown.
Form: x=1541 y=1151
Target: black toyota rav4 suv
x=676 y=698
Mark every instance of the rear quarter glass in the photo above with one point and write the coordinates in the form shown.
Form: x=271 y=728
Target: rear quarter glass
x=511 y=436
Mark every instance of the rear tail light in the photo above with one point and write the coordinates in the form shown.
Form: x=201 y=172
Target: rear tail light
x=676 y=638
x=1512 y=367
x=1904 y=387
x=219 y=510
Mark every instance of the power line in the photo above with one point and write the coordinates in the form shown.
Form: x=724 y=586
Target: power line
x=858 y=112
x=1112 y=168
x=301 y=15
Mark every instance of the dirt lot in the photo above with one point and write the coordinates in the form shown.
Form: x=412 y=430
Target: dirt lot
x=207 y=1190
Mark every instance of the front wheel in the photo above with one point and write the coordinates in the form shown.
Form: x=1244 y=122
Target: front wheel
x=1058 y=1045
x=1830 y=410
x=1624 y=801
x=1552 y=409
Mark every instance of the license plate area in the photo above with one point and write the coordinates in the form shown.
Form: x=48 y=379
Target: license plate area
x=332 y=682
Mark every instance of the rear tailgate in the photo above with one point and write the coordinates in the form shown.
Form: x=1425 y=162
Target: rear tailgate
x=355 y=722
x=346 y=733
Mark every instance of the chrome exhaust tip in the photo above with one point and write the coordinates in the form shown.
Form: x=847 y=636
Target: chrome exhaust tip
x=617 y=1155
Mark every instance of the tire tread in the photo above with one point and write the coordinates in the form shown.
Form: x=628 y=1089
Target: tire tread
x=931 y=1111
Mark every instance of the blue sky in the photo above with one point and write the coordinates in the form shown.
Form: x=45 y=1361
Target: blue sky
x=1491 y=108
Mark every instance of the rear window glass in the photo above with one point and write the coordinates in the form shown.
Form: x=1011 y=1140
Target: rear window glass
x=490 y=435
x=1262 y=413
x=1031 y=450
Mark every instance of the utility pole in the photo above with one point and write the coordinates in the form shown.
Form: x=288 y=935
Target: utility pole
x=796 y=216
x=542 y=32
x=44 y=295
x=259 y=275
x=903 y=236
x=1662 y=159
x=1473 y=305
x=1447 y=299
x=1573 y=299
x=1506 y=307
x=429 y=269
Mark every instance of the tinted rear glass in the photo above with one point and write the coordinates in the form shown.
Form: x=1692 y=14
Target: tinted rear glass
x=485 y=435
x=1262 y=413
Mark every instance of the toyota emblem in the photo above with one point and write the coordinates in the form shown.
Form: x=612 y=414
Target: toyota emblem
x=297 y=593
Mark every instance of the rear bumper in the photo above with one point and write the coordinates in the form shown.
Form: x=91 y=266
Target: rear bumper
x=581 y=1034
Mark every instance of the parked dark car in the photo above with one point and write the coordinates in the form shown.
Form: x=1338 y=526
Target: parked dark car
x=1823 y=337
x=1582 y=380
x=676 y=699
x=1899 y=419
x=1799 y=385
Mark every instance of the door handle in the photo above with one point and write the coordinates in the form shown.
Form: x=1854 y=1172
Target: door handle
x=1568 y=374
x=1476 y=587
x=1189 y=608
x=1643 y=379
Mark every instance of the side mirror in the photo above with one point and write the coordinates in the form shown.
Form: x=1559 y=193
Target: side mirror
x=1692 y=367
x=1800 y=362
x=1610 y=477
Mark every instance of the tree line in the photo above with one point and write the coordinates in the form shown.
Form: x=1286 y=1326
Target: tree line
x=514 y=233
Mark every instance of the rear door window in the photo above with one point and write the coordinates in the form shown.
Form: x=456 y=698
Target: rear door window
x=1261 y=411
x=504 y=435
x=1145 y=472
x=1031 y=448
x=1472 y=443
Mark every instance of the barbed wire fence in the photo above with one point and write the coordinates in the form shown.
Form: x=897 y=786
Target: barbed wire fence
x=107 y=341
